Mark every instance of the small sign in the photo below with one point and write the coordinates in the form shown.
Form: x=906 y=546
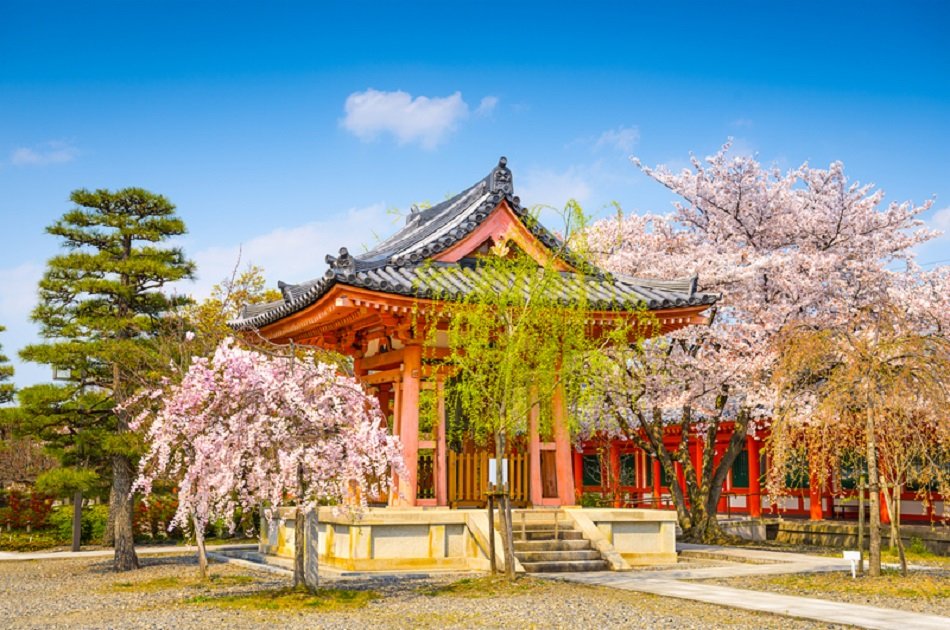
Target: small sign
x=493 y=471
x=855 y=558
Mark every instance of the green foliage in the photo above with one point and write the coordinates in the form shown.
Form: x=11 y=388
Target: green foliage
x=30 y=541
x=209 y=319
x=64 y=482
x=101 y=300
x=93 y=523
x=103 y=303
x=520 y=333
x=6 y=373
x=71 y=421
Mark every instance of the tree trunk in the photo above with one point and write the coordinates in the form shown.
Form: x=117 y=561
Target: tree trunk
x=299 y=547
x=874 y=496
x=504 y=512
x=861 y=525
x=108 y=536
x=492 y=558
x=202 y=552
x=509 y=539
x=122 y=475
x=896 y=520
x=305 y=542
x=125 y=556
x=77 y=520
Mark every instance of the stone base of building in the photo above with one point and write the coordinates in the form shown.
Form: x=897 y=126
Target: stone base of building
x=407 y=539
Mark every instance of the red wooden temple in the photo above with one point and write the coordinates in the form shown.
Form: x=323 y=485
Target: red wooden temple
x=616 y=472
x=363 y=307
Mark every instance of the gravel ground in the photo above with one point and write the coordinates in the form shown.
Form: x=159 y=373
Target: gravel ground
x=922 y=591
x=85 y=593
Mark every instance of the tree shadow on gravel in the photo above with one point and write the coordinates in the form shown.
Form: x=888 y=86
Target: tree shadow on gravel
x=191 y=560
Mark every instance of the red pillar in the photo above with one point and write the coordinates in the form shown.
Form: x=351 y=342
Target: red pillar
x=696 y=456
x=562 y=453
x=409 y=422
x=754 y=498
x=814 y=498
x=885 y=511
x=615 y=472
x=657 y=472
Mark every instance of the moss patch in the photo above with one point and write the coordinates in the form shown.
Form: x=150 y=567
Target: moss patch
x=325 y=599
x=490 y=586
x=174 y=582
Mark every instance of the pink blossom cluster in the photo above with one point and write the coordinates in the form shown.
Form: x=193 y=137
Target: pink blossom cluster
x=237 y=429
x=804 y=245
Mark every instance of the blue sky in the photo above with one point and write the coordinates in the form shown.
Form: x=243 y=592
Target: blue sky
x=288 y=129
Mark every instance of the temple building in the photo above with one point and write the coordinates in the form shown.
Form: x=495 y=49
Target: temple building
x=363 y=307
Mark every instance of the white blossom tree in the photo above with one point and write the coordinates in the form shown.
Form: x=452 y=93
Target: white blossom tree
x=778 y=247
x=243 y=429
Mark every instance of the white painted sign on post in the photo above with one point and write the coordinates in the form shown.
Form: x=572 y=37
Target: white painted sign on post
x=493 y=471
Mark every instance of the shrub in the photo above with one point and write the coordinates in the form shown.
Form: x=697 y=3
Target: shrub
x=93 y=524
x=23 y=541
x=26 y=510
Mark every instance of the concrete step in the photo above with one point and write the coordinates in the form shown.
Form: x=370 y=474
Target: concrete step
x=550 y=545
x=557 y=556
x=539 y=525
x=543 y=534
x=564 y=567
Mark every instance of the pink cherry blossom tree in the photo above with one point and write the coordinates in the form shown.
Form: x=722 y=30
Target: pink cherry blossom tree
x=778 y=247
x=243 y=429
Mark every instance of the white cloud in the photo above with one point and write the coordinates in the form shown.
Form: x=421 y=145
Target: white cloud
x=622 y=138
x=487 y=106
x=422 y=119
x=17 y=300
x=293 y=254
x=54 y=152
x=553 y=188
x=941 y=219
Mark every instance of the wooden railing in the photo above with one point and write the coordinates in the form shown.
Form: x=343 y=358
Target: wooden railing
x=468 y=478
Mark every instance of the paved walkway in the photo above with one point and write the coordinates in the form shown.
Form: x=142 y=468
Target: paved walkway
x=671 y=583
x=144 y=550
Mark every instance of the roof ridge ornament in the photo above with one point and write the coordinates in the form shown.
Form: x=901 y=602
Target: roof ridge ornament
x=344 y=262
x=500 y=180
x=285 y=290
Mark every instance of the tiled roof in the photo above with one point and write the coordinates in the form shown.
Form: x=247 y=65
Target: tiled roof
x=395 y=265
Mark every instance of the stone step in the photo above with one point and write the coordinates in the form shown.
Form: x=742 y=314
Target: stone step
x=557 y=556
x=564 y=567
x=541 y=534
x=550 y=545
x=539 y=525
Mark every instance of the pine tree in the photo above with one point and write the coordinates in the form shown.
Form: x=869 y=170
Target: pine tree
x=6 y=373
x=101 y=305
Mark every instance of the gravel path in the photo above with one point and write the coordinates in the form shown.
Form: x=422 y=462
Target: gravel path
x=85 y=593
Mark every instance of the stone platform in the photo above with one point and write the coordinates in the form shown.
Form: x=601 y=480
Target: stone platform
x=399 y=539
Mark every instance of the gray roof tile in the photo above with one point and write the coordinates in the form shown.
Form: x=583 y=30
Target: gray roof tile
x=395 y=265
